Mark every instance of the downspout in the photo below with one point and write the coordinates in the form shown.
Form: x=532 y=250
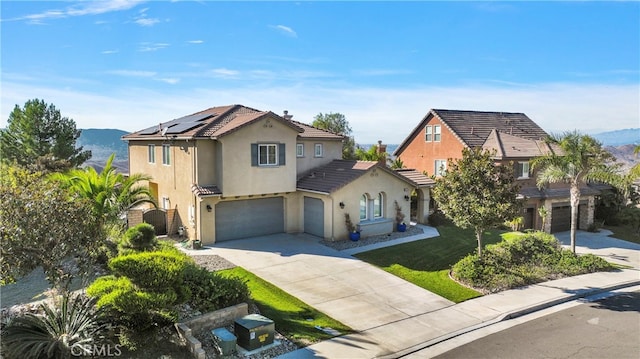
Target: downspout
x=194 y=157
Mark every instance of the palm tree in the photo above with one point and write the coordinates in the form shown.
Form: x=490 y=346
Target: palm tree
x=112 y=193
x=580 y=159
x=396 y=164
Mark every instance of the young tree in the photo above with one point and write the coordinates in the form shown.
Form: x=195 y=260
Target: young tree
x=582 y=159
x=37 y=136
x=371 y=154
x=43 y=225
x=476 y=193
x=111 y=193
x=338 y=124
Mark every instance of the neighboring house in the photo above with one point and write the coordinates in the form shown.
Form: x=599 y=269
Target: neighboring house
x=234 y=172
x=516 y=139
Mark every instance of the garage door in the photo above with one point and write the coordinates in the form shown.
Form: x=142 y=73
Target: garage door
x=249 y=218
x=560 y=219
x=314 y=216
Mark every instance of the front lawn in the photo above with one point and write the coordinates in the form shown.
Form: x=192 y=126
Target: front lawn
x=292 y=318
x=624 y=232
x=427 y=262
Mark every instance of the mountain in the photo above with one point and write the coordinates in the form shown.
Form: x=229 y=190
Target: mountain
x=627 y=136
x=624 y=155
x=102 y=143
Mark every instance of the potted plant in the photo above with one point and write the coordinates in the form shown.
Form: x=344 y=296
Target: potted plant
x=354 y=235
x=400 y=225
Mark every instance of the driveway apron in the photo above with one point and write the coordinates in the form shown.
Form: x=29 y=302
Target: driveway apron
x=353 y=292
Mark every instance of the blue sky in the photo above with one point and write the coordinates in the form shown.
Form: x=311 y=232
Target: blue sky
x=132 y=64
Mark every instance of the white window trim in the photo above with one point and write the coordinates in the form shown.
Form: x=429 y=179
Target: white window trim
x=151 y=153
x=437 y=133
x=524 y=174
x=428 y=133
x=366 y=207
x=318 y=150
x=437 y=164
x=379 y=198
x=267 y=146
x=166 y=155
x=299 y=149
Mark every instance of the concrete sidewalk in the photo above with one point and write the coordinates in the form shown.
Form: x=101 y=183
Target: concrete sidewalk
x=394 y=317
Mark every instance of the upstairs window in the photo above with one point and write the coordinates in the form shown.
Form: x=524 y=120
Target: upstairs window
x=299 y=150
x=151 y=149
x=436 y=133
x=522 y=170
x=268 y=154
x=318 y=150
x=428 y=133
x=166 y=155
x=440 y=167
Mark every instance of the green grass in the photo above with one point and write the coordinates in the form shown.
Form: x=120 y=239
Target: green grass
x=624 y=232
x=427 y=262
x=292 y=318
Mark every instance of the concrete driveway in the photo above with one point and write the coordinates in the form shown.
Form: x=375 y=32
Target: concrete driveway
x=599 y=243
x=351 y=291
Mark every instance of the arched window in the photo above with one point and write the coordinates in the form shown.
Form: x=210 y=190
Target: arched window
x=378 y=203
x=363 y=207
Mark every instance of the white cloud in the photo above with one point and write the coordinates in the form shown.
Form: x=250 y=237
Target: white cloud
x=146 y=21
x=132 y=73
x=149 y=46
x=170 y=81
x=285 y=30
x=108 y=52
x=195 y=42
x=81 y=9
x=387 y=114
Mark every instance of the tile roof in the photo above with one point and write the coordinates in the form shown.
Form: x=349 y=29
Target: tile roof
x=316 y=133
x=205 y=191
x=339 y=173
x=473 y=128
x=333 y=176
x=417 y=177
x=509 y=146
x=219 y=121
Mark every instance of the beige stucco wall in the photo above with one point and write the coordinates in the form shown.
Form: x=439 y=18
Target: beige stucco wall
x=206 y=159
x=332 y=150
x=370 y=183
x=173 y=180
x=239 y=178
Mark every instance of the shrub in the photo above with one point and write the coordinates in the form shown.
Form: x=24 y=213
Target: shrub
x=156 y=271
x=141 y=237
x=437 y=218
x=522 y=260
x=70 y=329
x=211 y=291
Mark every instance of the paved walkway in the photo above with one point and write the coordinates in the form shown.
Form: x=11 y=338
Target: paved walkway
x=394 y=317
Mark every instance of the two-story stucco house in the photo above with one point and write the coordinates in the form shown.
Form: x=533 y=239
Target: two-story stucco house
x=442 y=134
x=233 y=172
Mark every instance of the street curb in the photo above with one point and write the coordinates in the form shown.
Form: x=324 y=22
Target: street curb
x=508 y=316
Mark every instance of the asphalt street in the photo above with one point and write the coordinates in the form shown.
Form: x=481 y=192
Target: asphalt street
x=606 y=328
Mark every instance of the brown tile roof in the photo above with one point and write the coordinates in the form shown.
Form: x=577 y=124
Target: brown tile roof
x=219 y=121
x=417 y=177
x=339 y=173
x=333 y=176
x=509 y=146
x=205 y=191
x=473 y=127
x=311 y=132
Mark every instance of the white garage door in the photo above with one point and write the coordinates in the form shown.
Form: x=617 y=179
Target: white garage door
x=249 y=218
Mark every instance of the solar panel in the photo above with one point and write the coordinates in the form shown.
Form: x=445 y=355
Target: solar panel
x=194 y=118
x=182 y=127
x=149 y=131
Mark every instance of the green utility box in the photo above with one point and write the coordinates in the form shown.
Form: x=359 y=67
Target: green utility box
x=224 y=340
x=254 y=331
